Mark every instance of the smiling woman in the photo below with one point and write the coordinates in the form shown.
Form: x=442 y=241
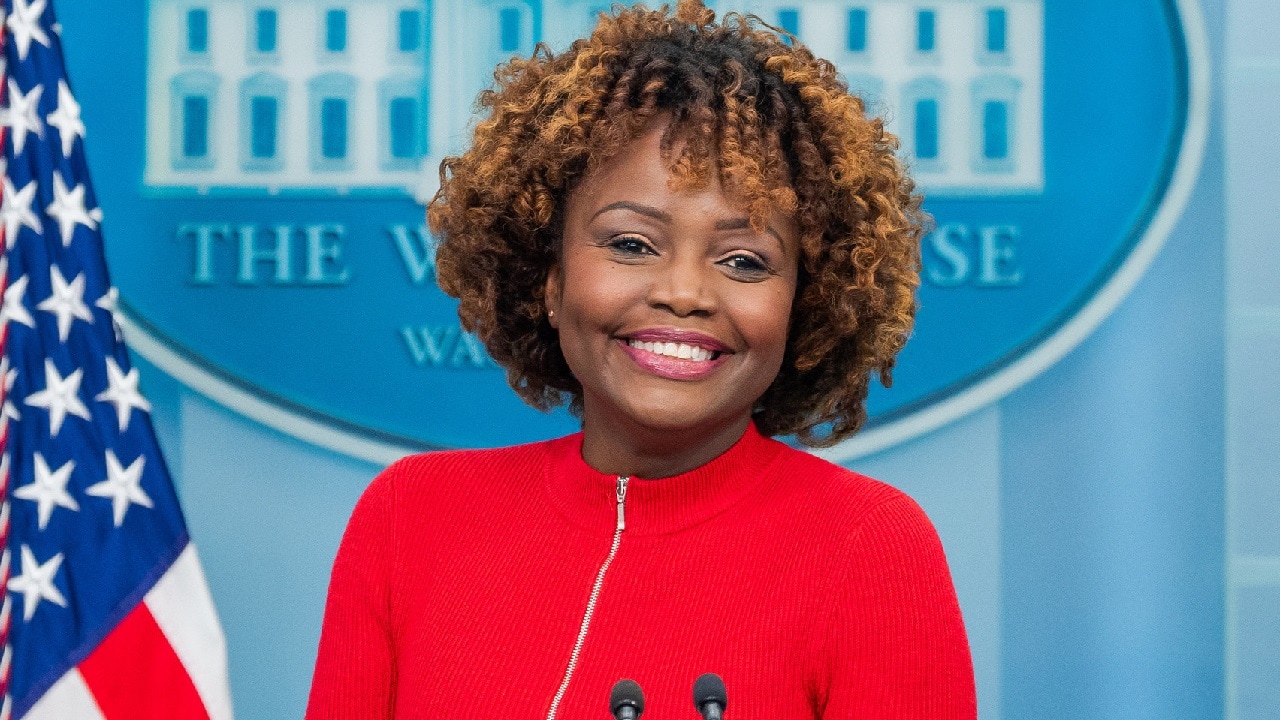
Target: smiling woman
x=692 y=233
x=780 y=133
x=650 y=276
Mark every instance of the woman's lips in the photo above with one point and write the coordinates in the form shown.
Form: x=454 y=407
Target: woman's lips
x=676 y=355
x=674 y=335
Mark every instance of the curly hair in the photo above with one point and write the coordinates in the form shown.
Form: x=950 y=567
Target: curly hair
x=743 y=98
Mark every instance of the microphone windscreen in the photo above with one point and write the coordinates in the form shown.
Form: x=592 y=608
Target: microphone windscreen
x=709 y=688
x=626 y=693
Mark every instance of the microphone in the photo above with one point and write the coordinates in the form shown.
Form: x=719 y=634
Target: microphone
x=626 y=701
x=709 y=696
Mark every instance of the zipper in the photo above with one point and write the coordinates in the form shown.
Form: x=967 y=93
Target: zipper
x=621 y=491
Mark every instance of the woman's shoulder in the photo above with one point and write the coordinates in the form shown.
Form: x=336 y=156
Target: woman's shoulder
x=472 y=465
x=839 y=485
x=446 y=483
x=472 y=460
x=848 y=501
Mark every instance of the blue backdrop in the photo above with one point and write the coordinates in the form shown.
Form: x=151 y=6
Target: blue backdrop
x=1111 y=524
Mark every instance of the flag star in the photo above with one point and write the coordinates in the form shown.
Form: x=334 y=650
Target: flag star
x=35 y=582
x=68 y=209
x=15 y=210
x=110 y=301
x=123 y=486
x=66 y=118
x=49 y=488
x=13 y=309
x=66 y=302
x=60 y=396
x=122 y=391
x=24 y=23
x=8 y=376
x=21 y=117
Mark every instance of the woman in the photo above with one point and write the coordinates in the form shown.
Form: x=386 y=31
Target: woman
x=692 y=234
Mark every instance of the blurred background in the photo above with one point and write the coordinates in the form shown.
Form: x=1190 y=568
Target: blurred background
x=1089 y=411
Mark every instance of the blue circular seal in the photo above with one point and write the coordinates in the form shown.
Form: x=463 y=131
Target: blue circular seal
x=262 y=168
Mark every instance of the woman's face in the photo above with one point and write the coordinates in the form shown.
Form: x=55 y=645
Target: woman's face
x=672 y=311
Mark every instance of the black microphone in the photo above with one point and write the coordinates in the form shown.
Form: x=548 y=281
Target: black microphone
x=626 y=702
x=709 y=696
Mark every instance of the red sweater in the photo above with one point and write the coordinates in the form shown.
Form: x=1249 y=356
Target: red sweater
x=462 y=580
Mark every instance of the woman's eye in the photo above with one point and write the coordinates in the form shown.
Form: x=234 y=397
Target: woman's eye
x=746 y=264
x=630 y=245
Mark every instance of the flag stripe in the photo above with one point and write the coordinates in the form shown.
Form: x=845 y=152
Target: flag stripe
x=183 y=609
x=134 y=674
x=68 y=699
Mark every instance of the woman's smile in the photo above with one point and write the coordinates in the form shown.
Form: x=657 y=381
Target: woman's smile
x=675 y=354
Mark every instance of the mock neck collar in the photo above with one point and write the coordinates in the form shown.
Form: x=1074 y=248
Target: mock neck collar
x=587 y=497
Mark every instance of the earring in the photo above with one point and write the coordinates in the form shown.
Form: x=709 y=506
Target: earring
x=551 y=314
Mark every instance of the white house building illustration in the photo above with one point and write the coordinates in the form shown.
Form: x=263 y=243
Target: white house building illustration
x=279 y=96
x=355 y=96
x=961 y=82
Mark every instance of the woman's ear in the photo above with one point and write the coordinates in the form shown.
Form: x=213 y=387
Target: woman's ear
x=551 y=295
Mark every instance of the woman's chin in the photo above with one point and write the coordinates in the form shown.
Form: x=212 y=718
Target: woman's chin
x=683 y=421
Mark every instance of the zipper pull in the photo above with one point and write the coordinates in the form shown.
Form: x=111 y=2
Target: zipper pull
x=622 y=501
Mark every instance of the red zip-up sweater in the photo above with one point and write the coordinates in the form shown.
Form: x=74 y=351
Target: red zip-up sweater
x=463 y=578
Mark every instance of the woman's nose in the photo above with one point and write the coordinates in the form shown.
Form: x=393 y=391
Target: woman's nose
x=684 y=286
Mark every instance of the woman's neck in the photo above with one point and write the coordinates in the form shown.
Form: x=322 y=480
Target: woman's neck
x=618 y=447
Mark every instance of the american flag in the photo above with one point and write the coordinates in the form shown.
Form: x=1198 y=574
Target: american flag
x=106 y=614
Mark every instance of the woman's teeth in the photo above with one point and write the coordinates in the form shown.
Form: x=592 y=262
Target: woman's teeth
x=675 y=350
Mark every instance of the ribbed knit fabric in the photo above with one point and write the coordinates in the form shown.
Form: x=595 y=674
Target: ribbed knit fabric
x=814 y=592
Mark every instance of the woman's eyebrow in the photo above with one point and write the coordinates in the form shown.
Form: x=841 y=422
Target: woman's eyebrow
x=652 y=212
x=740 y=223
x=743 y=224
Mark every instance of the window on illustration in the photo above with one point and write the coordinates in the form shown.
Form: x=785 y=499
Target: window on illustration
x=335 y=30
x=404 y=122
x=857 y=36
x=789 y=20
x=198 y=30
x=333 y=128
x=266 y=31
x=409 y=30
x=926 y=129
x=925 y=22
x=263 y=115
x=195 y=126
x=509 y=29
x=995 y=130
x=997 y=25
